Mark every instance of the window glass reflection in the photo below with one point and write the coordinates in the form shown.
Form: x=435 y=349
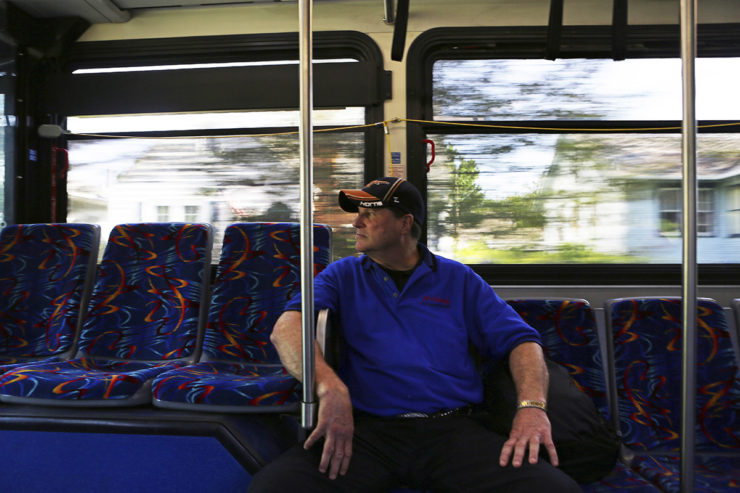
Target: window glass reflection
x=583 y=89
x=584 y=198
x=219 y=180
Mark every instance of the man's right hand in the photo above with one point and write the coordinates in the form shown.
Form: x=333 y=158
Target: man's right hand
x=336 y=425
x=335 y=422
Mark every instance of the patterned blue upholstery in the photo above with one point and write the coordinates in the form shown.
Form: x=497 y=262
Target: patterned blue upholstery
x=569 y=335
x=45 y=273
x=711 y=473
x=144 y=317
x=240 y=371
x=570 y=338
x=647 y=366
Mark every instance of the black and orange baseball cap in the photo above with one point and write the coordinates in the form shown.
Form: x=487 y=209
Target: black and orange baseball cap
x=388 y=191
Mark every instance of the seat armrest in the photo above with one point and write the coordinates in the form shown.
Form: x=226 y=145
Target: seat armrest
x=327 y=338
x=322 y=329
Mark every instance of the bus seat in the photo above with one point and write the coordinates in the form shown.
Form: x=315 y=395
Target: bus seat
x=570 y=338
x=144 y=318
x=736 y=319
x=646 y=366
x=46 y=273
x=240 y=371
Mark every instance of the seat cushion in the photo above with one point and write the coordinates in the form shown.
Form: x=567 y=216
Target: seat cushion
x=222 y=386
x=82 y=381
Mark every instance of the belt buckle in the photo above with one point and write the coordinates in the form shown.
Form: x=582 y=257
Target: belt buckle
x=413 y=415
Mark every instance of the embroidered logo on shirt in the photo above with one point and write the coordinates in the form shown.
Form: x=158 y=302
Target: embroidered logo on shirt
x=435 y=300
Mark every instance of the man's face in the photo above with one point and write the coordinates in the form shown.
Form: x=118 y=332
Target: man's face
x=376 y=229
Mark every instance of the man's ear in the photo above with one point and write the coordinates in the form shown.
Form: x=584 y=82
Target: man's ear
x=408 y=222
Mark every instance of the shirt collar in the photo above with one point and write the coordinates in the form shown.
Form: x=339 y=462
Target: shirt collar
x=428 y=258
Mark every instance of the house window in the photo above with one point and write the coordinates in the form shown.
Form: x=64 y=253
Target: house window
x=191 y=213
x=163 y=213
x=705 y=213
x=670 y=203
x=670 y=211
x=733 y=211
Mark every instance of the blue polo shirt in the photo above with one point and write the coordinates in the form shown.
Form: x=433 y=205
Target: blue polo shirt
x=409 y=350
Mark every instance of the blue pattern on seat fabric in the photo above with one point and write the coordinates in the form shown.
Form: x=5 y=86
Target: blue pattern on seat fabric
x=647 y=365
x=229 y=384
x=44 y=269
x=711 y=473
x=647 y=354
x=570 y=338
x=144 y=317
x=240 y=371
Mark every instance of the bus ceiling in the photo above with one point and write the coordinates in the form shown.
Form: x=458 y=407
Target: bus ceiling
x=102 y=11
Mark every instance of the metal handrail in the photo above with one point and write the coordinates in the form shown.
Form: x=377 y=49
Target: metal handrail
x=305 y=131
x=689 y=269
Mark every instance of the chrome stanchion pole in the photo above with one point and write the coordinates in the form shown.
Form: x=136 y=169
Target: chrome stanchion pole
x=689 y=271
x=308 y=405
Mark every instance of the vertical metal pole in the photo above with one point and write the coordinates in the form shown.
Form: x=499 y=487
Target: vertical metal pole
x=688 y=134
x=390 y=13
x=309 y=405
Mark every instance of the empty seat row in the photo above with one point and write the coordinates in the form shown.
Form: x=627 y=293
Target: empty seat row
x=149 y=315
x=643 y=398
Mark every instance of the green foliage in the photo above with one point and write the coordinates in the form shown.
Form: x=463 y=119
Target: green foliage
x=524 y=211
x=478 y=252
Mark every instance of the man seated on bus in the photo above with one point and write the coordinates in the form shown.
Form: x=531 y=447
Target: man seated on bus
x=397 y=410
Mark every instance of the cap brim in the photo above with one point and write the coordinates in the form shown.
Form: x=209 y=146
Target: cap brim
x=349 y=200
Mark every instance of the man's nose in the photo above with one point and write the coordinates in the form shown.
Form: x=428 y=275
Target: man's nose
x=357 y=223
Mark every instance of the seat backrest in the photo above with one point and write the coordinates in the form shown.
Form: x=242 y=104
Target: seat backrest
x=45 y=274
x=149 y=293
x=570 y=337
x=647 y=360
x=736 y=317
x=259 y=272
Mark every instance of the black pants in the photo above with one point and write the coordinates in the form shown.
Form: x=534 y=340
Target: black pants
x=448 y=454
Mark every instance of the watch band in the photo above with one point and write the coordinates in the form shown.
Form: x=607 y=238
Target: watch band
x=536 y=404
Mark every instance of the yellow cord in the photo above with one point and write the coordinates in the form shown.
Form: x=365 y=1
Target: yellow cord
x=398 y=120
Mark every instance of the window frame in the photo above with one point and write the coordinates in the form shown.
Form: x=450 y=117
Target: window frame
x=64 y=92
x=657 y=41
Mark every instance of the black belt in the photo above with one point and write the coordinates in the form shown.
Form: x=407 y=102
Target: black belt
x=460 y=411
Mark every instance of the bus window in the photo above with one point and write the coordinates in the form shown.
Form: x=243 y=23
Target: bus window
x=213 y=137
x=7 y=82
x=580 y=89
x=215 y=179
x=572 y=167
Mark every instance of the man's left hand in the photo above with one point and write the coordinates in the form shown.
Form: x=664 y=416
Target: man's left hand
x=530 y=430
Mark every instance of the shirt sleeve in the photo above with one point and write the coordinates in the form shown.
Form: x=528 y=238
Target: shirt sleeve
x=496 y=327
x=325 y=291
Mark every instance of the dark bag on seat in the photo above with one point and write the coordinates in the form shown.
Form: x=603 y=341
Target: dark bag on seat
x=586 y=442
